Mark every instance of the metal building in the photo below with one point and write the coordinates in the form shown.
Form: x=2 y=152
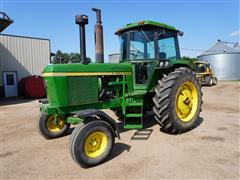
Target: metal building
x=20 y=57
x=224 y=60
x=114 y=58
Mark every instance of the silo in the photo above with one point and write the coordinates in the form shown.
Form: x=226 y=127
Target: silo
x=224 y=60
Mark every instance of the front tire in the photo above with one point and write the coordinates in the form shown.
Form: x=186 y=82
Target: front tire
x=90 y=144
x=177 y=102
x=48 y=129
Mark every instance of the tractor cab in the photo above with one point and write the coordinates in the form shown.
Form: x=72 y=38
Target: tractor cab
x=202 y=67
x=145 y=43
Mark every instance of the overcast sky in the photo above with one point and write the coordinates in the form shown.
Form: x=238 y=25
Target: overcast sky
x=203 y=22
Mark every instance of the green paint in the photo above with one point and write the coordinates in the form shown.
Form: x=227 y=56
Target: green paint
x=78 y=90
x=73 y=120
x=93 y=67
x=133 y=126
x=74 y=87
x=145 y=23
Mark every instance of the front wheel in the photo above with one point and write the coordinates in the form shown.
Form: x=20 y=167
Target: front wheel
x=90 y=144
x=178 y=100
x=50 y=129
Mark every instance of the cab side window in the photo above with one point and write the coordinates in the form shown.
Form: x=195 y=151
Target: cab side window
x=167 y=48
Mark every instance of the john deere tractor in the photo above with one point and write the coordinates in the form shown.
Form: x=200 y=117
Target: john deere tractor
x=151 y=76
x=204 y=73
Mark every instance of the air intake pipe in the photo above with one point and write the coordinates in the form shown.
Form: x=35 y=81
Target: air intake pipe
x=98 y=34
x=82 y=20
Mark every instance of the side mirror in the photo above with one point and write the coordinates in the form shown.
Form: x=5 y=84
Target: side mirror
x=180 y=33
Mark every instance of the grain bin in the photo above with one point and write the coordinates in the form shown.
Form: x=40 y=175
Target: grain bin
x=224 y=60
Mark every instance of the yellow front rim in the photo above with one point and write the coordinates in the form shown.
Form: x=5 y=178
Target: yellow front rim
x=95 y=144
x=186 y=101
x=52 y=127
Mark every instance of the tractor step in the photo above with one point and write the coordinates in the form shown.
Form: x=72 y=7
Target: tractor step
x=134 y=104
x=116 y=83
x=133 y=126
x=132 y=115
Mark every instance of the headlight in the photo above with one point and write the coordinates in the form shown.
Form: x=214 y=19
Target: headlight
x=161 y=64
x=164 y=64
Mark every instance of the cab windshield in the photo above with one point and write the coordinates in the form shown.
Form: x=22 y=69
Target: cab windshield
x=200 y=67
x=149 y=45
x=137 y=45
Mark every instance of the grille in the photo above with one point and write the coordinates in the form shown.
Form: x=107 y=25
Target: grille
x=82 y=90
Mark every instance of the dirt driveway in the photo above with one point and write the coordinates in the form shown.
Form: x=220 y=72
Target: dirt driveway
x=209 y=151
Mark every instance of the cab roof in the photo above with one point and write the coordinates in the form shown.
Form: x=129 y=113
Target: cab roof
x=145 y=23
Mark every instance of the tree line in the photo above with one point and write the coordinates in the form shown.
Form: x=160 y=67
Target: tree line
x=63 y=58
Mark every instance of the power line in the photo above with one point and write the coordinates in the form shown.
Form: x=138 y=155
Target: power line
x=198 y=50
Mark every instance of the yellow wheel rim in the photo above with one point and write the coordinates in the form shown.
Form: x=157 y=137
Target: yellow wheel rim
x=52 y=127
x=95 y=144
x=186 y=101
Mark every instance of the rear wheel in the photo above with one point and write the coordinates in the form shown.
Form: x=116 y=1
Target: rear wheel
x=90 y=144
x=209 y=81
x=50 y=129
x=214 y=81
x=178 y=100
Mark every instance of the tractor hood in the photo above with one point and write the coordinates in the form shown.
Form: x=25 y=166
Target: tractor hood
x=86 y=70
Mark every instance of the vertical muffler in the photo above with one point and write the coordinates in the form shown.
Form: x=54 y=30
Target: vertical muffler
x=82 y=20
x=98 y=34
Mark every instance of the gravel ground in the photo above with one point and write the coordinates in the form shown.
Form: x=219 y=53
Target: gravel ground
x=210 y=151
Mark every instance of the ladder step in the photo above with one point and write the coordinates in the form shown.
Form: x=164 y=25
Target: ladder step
x=133 y=126
x=136 y=93
x=133 y=115
x=134 y=104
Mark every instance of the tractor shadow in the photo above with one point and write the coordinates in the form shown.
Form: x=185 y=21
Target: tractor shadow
x=148 y=122
x=69 y=132
x=117 y=150
x=14 y=101
x=197 y=123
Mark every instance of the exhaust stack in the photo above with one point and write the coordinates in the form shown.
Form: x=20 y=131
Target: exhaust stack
x=98 y=34
x=82 y=20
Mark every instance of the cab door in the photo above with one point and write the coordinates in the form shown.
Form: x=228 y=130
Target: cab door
x=142 y=73
x=142 y=56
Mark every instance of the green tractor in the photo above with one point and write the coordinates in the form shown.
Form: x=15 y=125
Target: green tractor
x=151 y=76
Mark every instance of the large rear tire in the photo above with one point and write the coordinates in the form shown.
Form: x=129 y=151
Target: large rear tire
x=91 y=143
x=177 y=102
